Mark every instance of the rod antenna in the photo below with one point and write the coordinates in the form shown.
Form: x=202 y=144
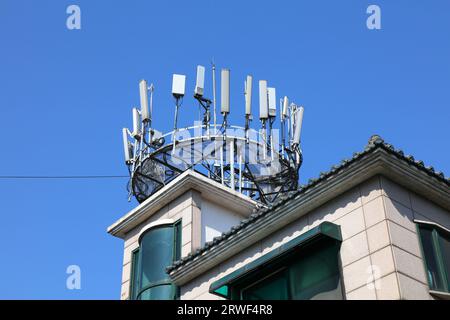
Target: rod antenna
x=214 y=93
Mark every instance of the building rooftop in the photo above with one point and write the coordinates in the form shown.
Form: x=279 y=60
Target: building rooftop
x=378 y=157
x=189 y=179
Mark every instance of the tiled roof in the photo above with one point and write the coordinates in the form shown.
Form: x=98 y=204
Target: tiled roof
x=375 y=142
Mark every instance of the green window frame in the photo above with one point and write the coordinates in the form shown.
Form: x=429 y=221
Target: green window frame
x=435 y=246
x=306 y=267
x=159 y=247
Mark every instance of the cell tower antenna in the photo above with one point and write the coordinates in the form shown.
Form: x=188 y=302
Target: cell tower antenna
x=198 y=94
x=225 y=95
x=200 y=82
x=263 y=105
x=178 y=89
x=272 y=104
x=248 y=101
x=214 y=92
x=298 y=126
x=284 y=114
x=151 y=89
x=127 y=148
x=143 y=91
x=136 y=124
x=263 y=112
x=285 y=109
x=297 y=133
x=230 y=155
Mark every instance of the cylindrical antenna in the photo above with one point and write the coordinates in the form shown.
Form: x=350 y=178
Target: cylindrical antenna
x=225 y=91
x=248 y=95
x=298 y=125
x=214 y=93
x=143 y=90
x=200 y=82
x=126 y=146
x=285 y=111
x=272 y=100
x=263 y=106
x=151 y=88
x=136 y=124
x=282 y=128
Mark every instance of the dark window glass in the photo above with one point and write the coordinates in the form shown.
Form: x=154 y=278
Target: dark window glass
x=434 y=279
x=159 y=248
x=316 y=275
x=275 y=287
x=436 y=251
x=157 y=252
x=445 y=250
x=134 y=285
x=312 y=273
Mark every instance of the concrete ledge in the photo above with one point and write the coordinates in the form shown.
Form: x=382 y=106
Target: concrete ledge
x=188 y=180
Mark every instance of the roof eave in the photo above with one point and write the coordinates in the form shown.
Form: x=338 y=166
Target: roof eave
x=188 y=180
x=377 y=162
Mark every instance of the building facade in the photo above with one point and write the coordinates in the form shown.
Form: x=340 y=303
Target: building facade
x=376 y=226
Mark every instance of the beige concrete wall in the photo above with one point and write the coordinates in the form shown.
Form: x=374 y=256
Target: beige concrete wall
x=402 y=207
x=216 y=219
x=380 y=253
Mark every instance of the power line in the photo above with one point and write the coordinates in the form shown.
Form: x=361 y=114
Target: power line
x=65 y=177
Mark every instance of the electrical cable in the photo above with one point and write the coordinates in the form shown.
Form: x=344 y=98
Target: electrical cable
x=64 y=177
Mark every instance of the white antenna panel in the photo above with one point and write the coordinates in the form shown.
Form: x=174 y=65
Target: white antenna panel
x=248 y=95
x=144 y=100
x=272 y=100
x=263 y=107
x=285 y=111
x=126 y=145
x=298 y=125
x=200 y=83
x=225 y=91
x=136 y=124
x=178 y=85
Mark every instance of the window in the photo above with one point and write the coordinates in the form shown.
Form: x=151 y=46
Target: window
x=436 y=252
x=274 y=287
x=306 y=268
x=159 y=247
x=310 y=274
x=134 y=274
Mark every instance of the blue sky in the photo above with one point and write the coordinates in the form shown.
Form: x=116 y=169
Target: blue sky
x=66 y=94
